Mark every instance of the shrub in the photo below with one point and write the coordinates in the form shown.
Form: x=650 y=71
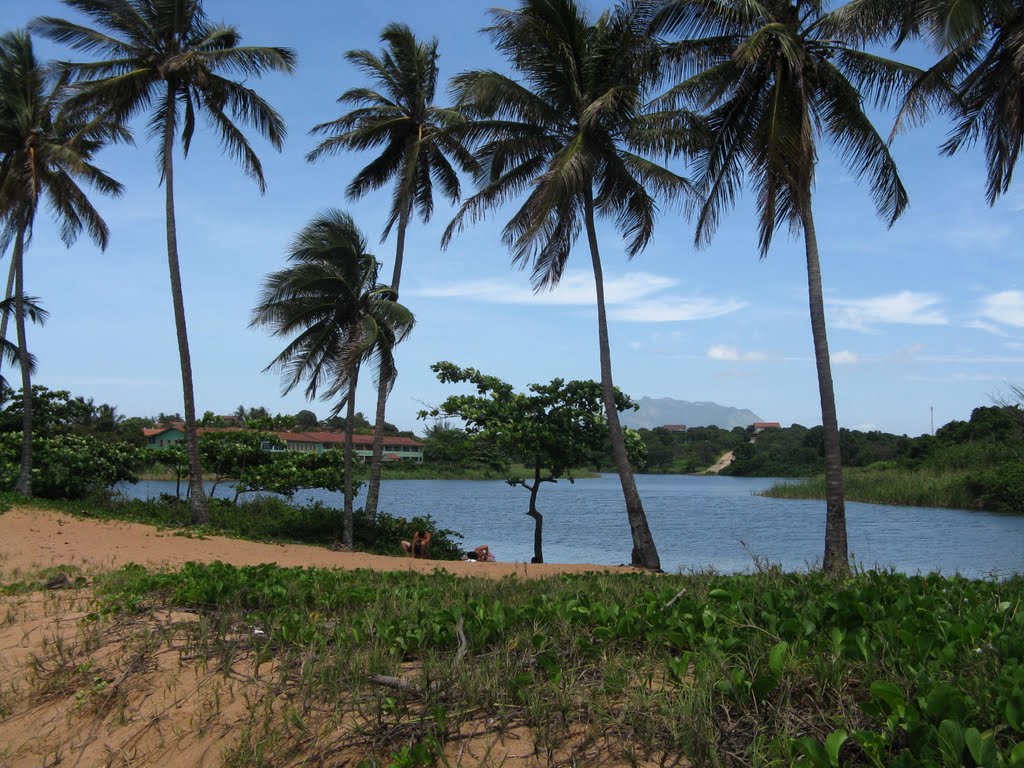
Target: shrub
x=68 y=466
x=1000 y=489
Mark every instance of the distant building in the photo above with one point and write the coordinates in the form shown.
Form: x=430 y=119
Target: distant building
x=674 y=427
x=395 y=448
x=760 y=426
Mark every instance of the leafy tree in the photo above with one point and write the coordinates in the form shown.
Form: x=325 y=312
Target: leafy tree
x=419 y=142
x=75 y=465
x=775 y=85
x=48 y=150
x=306 y=420
x=230 y=454
x=576 y=135
x=337 y=317
x=291 y=472
x=554 y=428
x=167 y=60
x=54 y=411
x=174 y=458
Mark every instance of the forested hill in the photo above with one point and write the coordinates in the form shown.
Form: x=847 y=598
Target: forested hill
x=656 y=412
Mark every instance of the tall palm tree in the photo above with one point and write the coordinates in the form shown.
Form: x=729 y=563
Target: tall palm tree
x=419 y=142
x=575 y=135
x=167 y=60
x=978 y=79
x=48 y=153
x=337 y=317
x=775 y=86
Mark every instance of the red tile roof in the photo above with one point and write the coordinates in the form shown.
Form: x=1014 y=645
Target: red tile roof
x=294 y=437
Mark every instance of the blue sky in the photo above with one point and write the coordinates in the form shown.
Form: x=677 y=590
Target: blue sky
x=927 y=314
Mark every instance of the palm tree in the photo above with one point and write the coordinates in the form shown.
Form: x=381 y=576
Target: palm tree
x=576 y=136
x=167 y=60
x=48 y=152
x=337 y=317
x=10 y=352
x=978 y=80
x=775 y=85
x=419 y=142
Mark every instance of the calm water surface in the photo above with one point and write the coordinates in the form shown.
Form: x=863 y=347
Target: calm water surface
x=697 y=522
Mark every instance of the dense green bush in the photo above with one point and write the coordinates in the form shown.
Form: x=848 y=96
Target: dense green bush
x=68 y=466
x=1000 y=489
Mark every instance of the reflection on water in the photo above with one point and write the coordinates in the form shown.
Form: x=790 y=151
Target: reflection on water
x=697 y=522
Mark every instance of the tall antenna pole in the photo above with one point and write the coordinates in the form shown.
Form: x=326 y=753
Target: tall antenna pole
x=932 y=409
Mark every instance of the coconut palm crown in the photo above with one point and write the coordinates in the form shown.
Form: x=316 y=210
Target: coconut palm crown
x=419 y=148
x=978 y=80
x=166 y=60
x=775 y=86
x=574 y=138
x=337 y=317
x=47 y=151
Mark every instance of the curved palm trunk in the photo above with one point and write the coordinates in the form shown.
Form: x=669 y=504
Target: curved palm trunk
x=836 y=555
x=377 y=457
x=645 y=554
x=23 y=485
x=347 y=533
x=5 y=318
x=197 y=495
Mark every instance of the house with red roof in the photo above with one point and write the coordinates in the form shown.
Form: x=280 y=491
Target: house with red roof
x=395 y=448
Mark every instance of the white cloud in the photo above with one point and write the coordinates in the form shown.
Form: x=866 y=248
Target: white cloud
x=632 y=296
x=906 y=307
x=845 y=357
x=988 y=327
x=663 y=310
x=727 y=353
x=575 y=289
x=1005 y=307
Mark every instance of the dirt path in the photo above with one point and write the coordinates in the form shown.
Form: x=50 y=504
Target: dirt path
x=33 y=539
x=721 y=464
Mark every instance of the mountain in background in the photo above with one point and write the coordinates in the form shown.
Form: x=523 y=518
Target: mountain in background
x=659 y=411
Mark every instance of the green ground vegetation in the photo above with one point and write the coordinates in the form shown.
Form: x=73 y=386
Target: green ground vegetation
x=766 y=669
x=263 y=518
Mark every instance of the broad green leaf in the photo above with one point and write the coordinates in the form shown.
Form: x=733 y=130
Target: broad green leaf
x=951 y=742
x=982 y=748
x=833 y=743
x=890 y=693
x=777 y=657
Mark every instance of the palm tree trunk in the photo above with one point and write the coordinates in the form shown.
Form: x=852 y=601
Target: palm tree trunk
x=347 y=533
x=197 y=496
x=23 y=485
x=7 y=295
x=836 y=556
x=383 y=387
x=644 y=554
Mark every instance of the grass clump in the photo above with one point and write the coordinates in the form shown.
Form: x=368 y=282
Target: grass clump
x=770 y=669
x=890 y=485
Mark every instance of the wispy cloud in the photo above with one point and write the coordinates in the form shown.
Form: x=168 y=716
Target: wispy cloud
x=575 y=289
x=635 y=298
x=1005 y=307
x=983 y=325
x=905 y=307
x=664 y=310
x=731 y=354
x=845 y=357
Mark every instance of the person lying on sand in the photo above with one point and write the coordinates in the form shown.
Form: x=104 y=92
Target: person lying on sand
x=418 y=546
x=482 y=553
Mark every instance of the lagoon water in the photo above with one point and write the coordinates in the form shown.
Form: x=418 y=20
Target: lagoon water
x=697 y=522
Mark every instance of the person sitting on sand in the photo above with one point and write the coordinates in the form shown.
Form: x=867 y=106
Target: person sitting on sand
x=482 y=553
x=418 y=546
